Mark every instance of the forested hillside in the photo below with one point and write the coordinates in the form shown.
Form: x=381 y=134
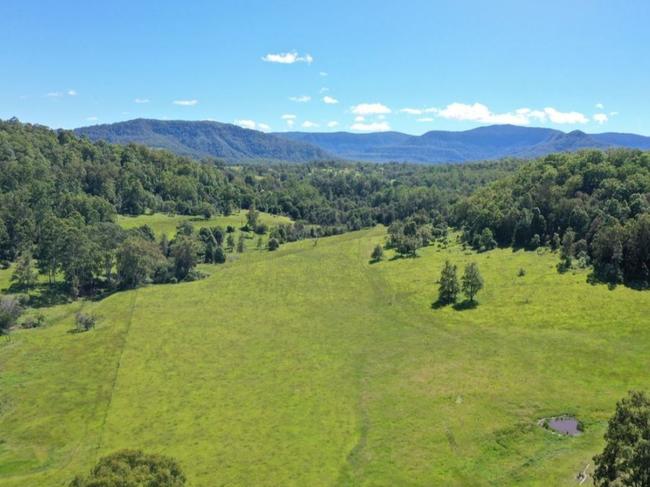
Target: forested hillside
x=593 y=205
x=205 y=139
x=60 y=195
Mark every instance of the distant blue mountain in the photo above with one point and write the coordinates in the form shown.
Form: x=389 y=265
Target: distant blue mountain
x=235 y=144
x=202 y=139
x=483 y=143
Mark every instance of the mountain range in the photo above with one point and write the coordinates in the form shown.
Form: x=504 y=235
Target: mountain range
x=202 y=139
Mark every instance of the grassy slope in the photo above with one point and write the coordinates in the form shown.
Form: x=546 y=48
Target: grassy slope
x=308 y=366
x=161 y=222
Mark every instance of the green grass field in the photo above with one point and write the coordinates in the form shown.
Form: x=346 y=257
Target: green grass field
x=310 y=366
x=161 y=223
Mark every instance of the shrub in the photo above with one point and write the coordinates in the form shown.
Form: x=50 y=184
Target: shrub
x=128 y=468
x=85 y=321
x=273 y=244
x=35 y=321
x=10 y=311
x=521 y=272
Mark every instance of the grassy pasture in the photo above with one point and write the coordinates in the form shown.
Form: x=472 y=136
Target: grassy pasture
x=163 y=223
x=311 y=366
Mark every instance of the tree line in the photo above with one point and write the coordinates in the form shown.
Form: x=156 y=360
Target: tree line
x=592 y=206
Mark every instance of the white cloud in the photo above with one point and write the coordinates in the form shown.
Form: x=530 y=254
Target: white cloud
x=288 y=116
x=323 y=73
x=556 y=116
x=330 y=100
x=425 y=119
x=601 y=118
x=308 y=124
x=288 y=58
x=370 y=127
x=359 y=118
x=300 y=99
x=613 y=114
x=253 y=125
x=600 y=106
x=323 y=90
x=71 y=93
x=370 y=109
x=418 y=111
x=185 y=103
x=522 y=116
x=247 y=124
x=141 y=100
x=332 y=124
x=92 y=119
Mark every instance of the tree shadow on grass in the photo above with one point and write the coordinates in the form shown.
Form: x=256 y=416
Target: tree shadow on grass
x=402 y=256
x=464 y=305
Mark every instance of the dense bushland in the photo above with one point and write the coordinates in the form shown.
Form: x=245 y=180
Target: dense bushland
x=594 y=206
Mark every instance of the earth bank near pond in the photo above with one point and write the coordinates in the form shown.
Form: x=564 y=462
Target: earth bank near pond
x=309 y=366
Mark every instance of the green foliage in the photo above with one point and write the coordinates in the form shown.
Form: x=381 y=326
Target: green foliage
x=25 y=274
x=240 y=243
x=137 y=261
x=184 y=252
x=273 y=244
x=377 y=253
x=472 y=281
x=625 y=461
x=85 y=321
x=10 y=311
x=133 y=468
x=448 y=284
x=602 y=198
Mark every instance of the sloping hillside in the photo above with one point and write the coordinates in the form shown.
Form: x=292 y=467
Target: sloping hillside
x=205 y=139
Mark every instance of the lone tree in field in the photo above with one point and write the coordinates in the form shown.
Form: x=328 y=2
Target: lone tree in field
x=273 y=244
x=377 y=253
x=230 y=242
x=448 y=284
x=252 y=216
x=626 y=457
x=472 y=282
x=25 y=275
x=133 y=468
x=240 y=244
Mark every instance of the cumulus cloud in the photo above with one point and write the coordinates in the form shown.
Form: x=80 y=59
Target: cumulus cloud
x=264 y=127
x=600 y=118
x=370 y=109
x=185 y=103
x=288 y=58
x=71 y=93
x=247 y=124
x=600 y=106
x=330 y=100
x=332 y=124
x=370 y=127
x=359 y=118
x=141 y=100
x=308 y=124
x=478 y=112
x=556 y=116
x=323 y=90
x=300 y=99
x=289 y=118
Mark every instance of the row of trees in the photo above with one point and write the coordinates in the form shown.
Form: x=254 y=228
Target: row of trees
x=449 y=287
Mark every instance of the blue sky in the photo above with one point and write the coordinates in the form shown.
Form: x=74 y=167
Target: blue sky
x=411 y=66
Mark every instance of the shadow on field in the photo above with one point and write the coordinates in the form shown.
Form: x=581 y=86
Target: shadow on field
x=462 y=306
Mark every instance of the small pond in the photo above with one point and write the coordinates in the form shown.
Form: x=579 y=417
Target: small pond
x=565 y=425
